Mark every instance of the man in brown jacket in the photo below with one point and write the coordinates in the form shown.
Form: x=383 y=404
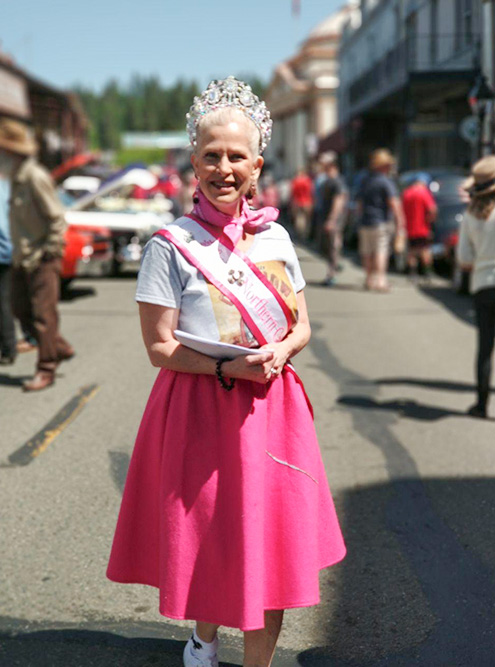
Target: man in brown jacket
x=37 y=228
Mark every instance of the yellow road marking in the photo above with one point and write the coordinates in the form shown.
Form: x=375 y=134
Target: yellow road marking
x=37 y=444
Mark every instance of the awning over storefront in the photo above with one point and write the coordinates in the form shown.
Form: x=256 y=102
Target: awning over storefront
x=336 y=141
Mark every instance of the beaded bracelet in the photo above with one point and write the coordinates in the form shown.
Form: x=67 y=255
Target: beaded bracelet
x=221 y=379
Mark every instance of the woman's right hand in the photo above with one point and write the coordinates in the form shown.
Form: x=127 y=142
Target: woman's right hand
x=249 y=367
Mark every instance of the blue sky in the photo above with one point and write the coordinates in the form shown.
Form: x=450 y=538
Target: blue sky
x=72 y=41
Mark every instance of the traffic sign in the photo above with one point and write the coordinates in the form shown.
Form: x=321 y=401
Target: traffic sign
x=469 y=129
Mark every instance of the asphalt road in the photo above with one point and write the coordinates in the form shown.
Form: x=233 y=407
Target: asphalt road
x=390 y=377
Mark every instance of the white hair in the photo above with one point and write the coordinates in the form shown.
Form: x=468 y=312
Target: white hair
x=225 y=115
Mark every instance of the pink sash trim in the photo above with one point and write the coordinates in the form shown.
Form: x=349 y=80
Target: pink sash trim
x=217 y=233
x=226 y=292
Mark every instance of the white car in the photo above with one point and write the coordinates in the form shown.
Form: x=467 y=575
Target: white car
x=131 y=222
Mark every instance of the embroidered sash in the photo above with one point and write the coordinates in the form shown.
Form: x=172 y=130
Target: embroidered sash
x=238 y=278
x=230 y=270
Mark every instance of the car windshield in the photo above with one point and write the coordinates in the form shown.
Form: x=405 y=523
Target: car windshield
x=450 y=217
x=447 y=186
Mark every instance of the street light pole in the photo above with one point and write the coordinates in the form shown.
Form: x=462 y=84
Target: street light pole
x=492 y=73
x=481 y=134
x=480 y=99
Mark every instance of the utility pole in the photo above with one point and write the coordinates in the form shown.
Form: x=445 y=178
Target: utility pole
x=488 y=63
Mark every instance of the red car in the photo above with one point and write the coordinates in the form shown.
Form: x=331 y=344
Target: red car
x=88 y=252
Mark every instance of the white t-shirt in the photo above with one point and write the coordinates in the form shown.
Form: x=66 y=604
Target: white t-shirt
x=166 y=278
x=477 y=247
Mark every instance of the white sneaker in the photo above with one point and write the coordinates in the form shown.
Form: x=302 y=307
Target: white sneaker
x=194 y=656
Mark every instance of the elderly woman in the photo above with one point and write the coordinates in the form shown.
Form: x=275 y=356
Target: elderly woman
x=476 y=252
x=226 y=508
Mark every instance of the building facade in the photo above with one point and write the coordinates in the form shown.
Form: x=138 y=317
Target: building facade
x=56 y=117
x=302 y=97
x=407 y=67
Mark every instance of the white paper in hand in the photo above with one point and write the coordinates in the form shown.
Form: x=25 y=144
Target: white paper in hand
x=213 y=348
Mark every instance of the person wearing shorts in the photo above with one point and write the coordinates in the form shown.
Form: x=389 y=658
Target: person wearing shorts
x=378 y=206
x=420 y=211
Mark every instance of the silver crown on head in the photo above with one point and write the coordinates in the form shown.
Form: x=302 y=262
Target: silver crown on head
x=230 y=93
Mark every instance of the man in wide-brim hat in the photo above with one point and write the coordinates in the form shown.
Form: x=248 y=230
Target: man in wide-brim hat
x=382 y=158
x=37 y=228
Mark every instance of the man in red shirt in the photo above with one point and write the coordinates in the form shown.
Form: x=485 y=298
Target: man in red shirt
x=420 y=212
x=301 y=203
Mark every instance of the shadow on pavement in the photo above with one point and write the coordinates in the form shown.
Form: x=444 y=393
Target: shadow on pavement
x=442 y=385
x=78 y=648
x=13 y=381
x=88 y=648
x=404 y=407
x=71 y=293
x=417 y=587
x=459 y=305
x=349 y=287
x=119 y=465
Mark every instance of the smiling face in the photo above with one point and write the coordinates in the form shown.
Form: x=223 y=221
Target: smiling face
x=225 y=163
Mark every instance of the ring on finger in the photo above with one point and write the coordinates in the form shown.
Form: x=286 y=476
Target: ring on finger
x=273 y=371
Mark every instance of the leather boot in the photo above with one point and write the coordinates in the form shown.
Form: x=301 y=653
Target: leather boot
x=41 y=380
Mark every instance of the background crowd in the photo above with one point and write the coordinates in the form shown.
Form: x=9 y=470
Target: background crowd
x=383 y=213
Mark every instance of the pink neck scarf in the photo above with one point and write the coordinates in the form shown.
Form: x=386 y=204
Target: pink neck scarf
x=233 y=227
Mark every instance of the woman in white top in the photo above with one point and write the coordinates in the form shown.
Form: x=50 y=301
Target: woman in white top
x=226 y=508
x=476 y=252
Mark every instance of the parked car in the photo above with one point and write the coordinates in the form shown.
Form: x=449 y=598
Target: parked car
x=451 y=200
x=78 y=186
x=446 y=187
x=88 y=252
x=130 y=223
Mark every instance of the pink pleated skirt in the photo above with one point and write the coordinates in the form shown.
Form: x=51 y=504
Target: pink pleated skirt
x=226 y=507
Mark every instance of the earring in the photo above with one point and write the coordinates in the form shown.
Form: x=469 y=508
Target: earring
x=195 y=195
x=252 y=191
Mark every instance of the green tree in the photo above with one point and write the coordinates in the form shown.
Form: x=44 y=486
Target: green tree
x=144 y=105
x=111 y=116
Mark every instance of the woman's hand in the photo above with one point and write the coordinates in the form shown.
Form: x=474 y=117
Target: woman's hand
x=159 y=322
x=254 y=367
x=281 y=353
x=268 y=366
x=261 y=368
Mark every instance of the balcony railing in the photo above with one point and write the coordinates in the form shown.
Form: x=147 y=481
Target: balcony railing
x=444 y=52
x=387 y=74
x=416 y=54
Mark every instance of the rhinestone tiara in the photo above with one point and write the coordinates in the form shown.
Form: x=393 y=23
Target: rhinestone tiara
x=230 y=93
